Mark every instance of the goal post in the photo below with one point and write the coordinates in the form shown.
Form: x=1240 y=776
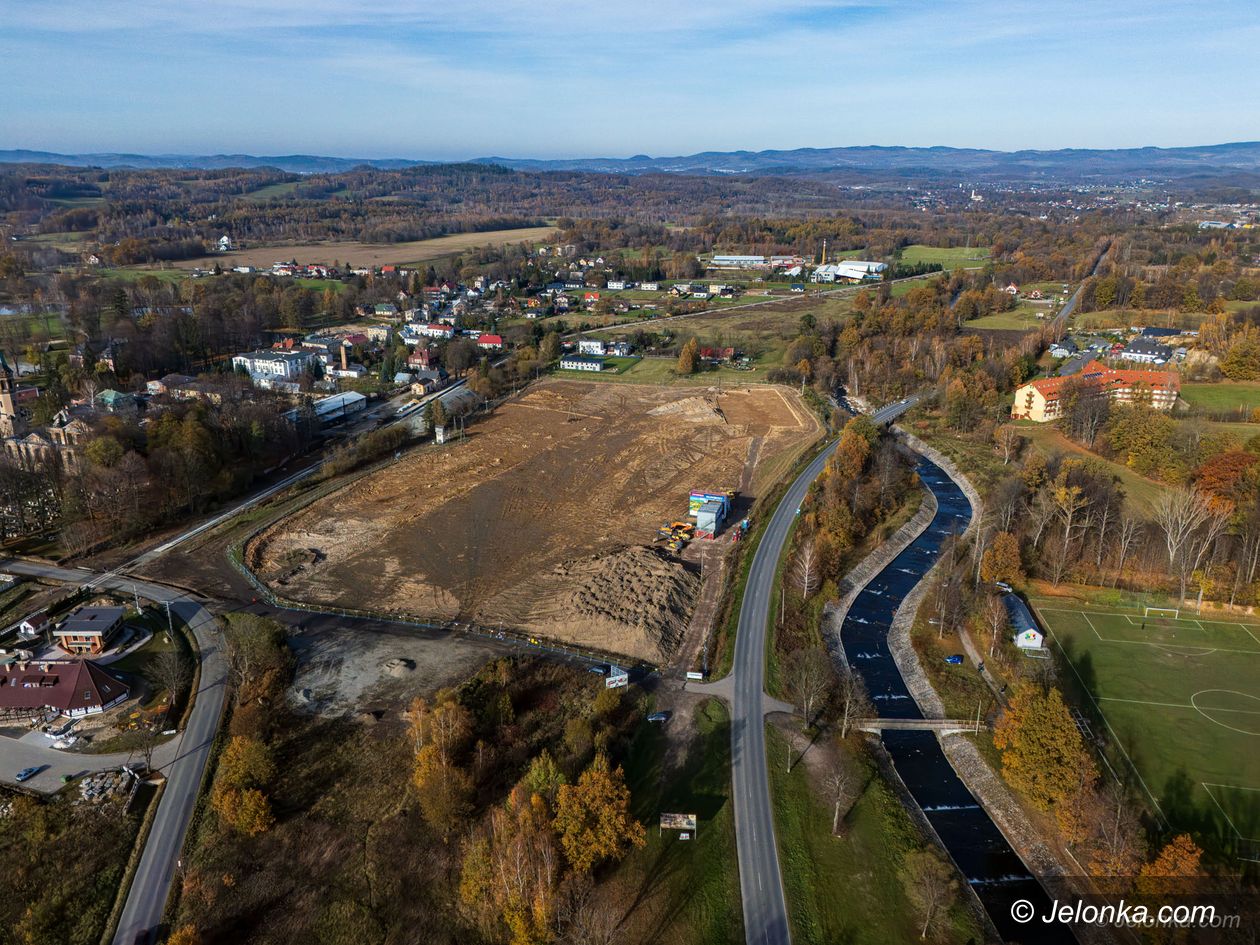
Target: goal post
x=1173 y=612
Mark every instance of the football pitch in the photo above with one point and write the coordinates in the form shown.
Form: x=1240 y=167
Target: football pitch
x=1178 y=703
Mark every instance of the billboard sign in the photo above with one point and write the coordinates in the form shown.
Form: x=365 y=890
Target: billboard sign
x=678 y=821
x=616 y=678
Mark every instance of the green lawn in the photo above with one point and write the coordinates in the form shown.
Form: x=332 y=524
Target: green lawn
x=849 y=889
x=1178 y=700
x=950 y=257
x=682 y=891
x=1022 y=318
x=135 y=274
x=282 y=189
x=1223 y=396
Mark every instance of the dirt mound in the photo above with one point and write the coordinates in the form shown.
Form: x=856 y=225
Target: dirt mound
x=635 y=601
x=699 y=409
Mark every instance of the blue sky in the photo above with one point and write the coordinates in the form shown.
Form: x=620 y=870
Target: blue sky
x=553 y=78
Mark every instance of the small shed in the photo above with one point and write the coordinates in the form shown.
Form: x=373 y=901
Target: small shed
x=709 y=518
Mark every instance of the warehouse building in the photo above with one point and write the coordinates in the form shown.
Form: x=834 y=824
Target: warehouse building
x=738 y=262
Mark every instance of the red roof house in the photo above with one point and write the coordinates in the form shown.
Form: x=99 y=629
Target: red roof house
x=71 y=687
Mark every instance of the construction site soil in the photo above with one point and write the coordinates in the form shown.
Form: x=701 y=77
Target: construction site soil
x=543 y=518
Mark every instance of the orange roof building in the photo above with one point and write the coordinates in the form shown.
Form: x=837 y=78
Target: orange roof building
x=1044 y=400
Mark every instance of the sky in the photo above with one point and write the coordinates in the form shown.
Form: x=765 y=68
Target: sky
x=431 y=79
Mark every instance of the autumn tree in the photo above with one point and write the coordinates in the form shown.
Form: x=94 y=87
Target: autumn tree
x=1178 y=861
x=688 y=358
x=593 y=817
x=930 y=883
x=1043 y=755
x=549 y=347
x=511 y=870
x=245 y=769
x=805 y=572
x=1001 y=560
x=444 y=787
x=1008 y=441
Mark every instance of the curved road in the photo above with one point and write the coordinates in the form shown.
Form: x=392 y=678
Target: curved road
x=147 y=897
x=761 y=884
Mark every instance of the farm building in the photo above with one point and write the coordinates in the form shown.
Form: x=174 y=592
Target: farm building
x=580 y=362
x=71 y=687
x=89 y=629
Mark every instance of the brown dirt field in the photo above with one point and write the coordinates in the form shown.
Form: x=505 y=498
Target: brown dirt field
x=368 y=254
x=543 y=518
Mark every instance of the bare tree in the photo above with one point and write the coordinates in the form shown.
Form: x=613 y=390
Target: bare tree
x=996 y=620
x=810 y=676
x=582 y=920
x=840 y=781
x=147 y=736
x=1189 y=526
x=805 y=572
x=170 y=671
x=853 y=700
x=1126 y=535
x=930 y=883
x=1008 y=442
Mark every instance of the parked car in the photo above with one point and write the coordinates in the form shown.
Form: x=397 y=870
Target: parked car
x=26 y=774
x=659 y=717
x=955 y=660
x=1002 y=586
x=598 y=669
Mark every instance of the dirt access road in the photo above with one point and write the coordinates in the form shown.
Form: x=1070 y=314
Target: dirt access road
x=543 y=518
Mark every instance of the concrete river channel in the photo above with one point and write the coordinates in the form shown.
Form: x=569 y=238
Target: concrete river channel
x=982 y=853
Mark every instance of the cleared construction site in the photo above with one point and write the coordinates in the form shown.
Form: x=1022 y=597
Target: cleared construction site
x=547 y=517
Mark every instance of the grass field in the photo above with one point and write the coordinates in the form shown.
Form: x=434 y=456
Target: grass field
x=1223 y=396
x=1177 y=702
x=370 y=254
x=1022 y=318
x=683 y=891
x=950 y=257
x=1140 y=493
x=848 y=889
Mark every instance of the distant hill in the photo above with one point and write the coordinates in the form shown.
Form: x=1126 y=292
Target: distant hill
x=1070 y=164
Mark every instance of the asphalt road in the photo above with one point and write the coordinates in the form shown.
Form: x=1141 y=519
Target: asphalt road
x=761 y=884
x=890 y=412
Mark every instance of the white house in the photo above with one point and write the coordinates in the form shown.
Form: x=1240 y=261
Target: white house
x=591 y=346
x=225 y=244
x=437 y=331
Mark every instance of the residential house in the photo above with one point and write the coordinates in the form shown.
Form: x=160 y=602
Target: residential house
x=72 y=688
x=591 y=346
x=89 y=630
x=490 y=342
x=269 y=367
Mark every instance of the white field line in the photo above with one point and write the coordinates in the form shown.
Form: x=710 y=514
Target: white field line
x=1208 y=785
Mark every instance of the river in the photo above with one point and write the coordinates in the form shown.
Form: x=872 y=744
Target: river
x=993 y=869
